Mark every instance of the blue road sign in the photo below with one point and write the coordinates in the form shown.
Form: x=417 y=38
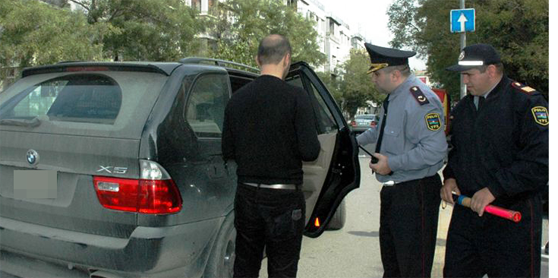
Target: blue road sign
x=462 y=20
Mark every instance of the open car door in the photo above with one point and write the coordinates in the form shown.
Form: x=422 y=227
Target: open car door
x=336 y=172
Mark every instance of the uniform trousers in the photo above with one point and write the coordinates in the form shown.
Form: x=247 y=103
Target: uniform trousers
x=270 y=218
x=408 y=227
x=495 y=246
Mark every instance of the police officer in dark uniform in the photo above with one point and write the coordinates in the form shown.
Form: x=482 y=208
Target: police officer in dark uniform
x=269 y=130
x=410 y=149
x=499 y=135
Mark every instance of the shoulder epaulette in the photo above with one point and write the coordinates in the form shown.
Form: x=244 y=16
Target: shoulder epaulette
x=523 y=88
x=419 y=95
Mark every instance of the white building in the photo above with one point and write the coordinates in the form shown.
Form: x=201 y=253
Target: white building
x=315 y=11
x=335 y=38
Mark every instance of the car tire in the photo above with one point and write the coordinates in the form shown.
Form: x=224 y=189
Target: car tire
x=338 y=220
x=221 y=259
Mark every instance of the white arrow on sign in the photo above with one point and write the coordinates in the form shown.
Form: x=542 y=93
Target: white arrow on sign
x=462 y=19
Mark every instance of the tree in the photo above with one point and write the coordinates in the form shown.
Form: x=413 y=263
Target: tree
x=241 y=24
x=33 y=33
x=357 y=86
x=517 y=28
x=154 y=30
x=333 y=86
x=36 y=33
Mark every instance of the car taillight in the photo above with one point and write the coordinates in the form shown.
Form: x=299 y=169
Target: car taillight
x=154 y=193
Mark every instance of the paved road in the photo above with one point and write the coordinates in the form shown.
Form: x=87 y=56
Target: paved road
x=354 y=251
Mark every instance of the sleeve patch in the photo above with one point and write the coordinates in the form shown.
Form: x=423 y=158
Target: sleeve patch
x=540 y=114
x=433 y=121
x=419 y=95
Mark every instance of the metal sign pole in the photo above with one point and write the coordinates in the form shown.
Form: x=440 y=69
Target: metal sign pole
x=463 y=87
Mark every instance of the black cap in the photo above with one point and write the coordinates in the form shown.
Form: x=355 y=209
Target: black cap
x=476 y=55
x=382 y=57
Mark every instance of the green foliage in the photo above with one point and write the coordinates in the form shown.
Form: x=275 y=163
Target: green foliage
x=357 y=86
x=33 y=33
x=333 y=86
x=518 y=29
x=154 y=30
x=241 y=24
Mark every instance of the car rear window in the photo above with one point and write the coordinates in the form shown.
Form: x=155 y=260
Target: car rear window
x=111 y=103
x=79 y=98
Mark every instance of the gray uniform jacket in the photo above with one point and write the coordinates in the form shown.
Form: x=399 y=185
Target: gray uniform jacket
x=414 y=139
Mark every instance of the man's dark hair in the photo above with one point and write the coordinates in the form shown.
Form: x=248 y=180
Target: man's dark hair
x=272 y=49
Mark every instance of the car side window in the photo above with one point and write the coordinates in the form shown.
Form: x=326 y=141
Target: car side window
x=324 y=115
x=325 y=122
x=205 y=108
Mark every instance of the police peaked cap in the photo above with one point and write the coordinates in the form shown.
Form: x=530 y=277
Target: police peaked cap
x=476 y=55
x=381 y=57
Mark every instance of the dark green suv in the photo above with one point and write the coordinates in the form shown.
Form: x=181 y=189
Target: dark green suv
x=115 y=169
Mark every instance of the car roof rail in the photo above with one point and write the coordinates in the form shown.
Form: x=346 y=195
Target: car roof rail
x=218 y=62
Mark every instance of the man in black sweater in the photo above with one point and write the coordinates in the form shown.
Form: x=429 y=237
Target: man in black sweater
x=269 y=130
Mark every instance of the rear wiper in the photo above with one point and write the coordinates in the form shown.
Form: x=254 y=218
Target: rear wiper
x=21 y=122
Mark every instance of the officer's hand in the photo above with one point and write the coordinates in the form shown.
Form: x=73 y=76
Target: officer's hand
x=446 y=191
x=381 y=167
x=481 y=199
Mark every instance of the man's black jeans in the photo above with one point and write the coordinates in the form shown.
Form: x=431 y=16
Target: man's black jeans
x=273 y=218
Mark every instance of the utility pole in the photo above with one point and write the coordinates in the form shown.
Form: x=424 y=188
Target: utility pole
x=463 y=87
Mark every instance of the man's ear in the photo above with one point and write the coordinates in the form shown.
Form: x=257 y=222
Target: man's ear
x=257 y=61
x=492 y=70
x=287 y=59
x=396 y=75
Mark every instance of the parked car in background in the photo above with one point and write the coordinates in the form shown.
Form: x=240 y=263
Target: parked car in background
x=114 y=169
x=363 y=122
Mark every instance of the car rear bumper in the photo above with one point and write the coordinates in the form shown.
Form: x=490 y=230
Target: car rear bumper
x=150 y=251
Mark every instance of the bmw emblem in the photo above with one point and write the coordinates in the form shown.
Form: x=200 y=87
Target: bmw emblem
x=32 y=157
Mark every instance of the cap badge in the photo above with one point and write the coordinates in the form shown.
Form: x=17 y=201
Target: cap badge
x=461 y=55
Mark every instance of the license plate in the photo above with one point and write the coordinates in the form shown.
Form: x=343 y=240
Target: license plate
x=35 y=184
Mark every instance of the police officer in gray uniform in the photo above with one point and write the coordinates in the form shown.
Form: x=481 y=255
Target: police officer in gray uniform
x=410 y=150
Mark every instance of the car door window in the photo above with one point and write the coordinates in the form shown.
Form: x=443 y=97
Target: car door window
x=325 y=122
x=205 y=108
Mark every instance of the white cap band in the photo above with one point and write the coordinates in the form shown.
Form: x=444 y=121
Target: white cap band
x=471 y=63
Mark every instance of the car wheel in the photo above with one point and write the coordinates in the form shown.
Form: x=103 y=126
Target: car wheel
x=338 y=220
x=221 y=260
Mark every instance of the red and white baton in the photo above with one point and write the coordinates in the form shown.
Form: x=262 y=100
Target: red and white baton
x=512 y=215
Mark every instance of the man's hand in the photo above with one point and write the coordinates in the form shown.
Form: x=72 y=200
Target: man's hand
x=381 y=167
x=481 y=199
x=446 y=191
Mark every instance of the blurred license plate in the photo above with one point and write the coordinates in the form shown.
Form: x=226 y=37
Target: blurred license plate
x=35 y=184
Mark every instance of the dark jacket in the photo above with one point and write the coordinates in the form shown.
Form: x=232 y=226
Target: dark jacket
x=269 y=130
x=503 y=145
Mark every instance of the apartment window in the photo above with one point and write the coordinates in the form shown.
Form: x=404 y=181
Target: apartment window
x=292 y=3
x=196 y=5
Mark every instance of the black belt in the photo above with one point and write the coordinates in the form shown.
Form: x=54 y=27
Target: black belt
x=273 y=186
